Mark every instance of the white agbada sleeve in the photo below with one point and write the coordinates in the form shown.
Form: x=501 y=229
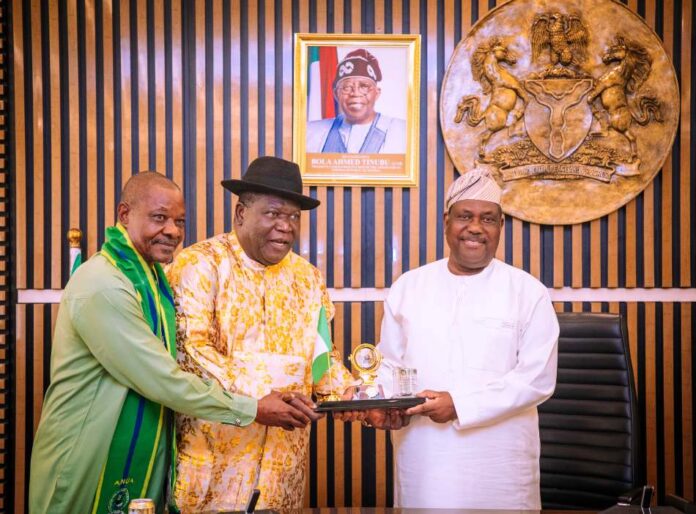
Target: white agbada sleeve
x=528 y=384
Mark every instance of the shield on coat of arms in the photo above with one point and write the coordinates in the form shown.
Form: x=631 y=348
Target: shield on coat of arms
x=558 y=116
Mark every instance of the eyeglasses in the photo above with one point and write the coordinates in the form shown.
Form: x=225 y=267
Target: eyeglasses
x=361 y=88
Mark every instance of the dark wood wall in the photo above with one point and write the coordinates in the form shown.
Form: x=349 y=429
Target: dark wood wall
x=6 y=280
x=102 y=88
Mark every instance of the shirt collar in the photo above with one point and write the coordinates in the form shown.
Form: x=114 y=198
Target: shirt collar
x=482 y=275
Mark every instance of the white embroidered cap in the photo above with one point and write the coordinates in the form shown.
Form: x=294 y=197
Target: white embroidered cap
x=477 y=184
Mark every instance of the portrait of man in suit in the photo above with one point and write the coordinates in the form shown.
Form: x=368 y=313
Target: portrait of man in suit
x=358 y=126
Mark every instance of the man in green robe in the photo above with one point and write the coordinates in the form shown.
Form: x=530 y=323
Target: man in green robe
x=105 y=434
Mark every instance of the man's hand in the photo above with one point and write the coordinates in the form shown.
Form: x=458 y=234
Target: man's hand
x=386 y=419
x=349 y=415
x=286 y=410
x=438 y=406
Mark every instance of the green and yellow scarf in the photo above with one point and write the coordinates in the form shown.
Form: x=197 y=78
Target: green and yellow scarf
x=142 y=424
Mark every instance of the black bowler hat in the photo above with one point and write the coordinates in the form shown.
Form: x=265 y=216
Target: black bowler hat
x=274 y=176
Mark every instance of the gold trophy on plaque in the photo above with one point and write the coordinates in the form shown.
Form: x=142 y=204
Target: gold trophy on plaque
x=366 y=360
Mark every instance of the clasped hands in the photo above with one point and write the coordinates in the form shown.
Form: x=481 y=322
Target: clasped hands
x=290 y=410
x=287 y=410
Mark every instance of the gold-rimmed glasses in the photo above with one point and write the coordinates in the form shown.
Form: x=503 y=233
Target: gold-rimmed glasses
x=358 y=88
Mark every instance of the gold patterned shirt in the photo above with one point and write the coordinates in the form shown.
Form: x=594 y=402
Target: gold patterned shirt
x=253 y=329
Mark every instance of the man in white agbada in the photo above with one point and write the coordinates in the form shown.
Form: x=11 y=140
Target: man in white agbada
x=483 y=336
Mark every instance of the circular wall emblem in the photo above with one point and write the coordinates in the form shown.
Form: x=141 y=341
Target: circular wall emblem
x=574 y=107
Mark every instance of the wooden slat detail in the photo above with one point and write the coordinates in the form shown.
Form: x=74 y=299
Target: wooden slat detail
x=126 y=149
x=595 y=254
x=355 y=236
x=321 y=230
x=143 y=115
x=109 y=205
x=630 y=263
x=667 y=366
x=382 y=436
x=650 y=392
x=36 y=359
x=576 y=259
x=684 y=142
x=320 y=463
x=177 y=96
x=21 y=457
x=269 y=52
x=650 y=13
x=20 y=125
x=339 y=434
x=201 y=147
x=160 y=98
x=687 y=384
x=355 y=428
x=339 y=239
x=397 y=234
x=218 y=193
x=535 y=250
x=517 y=256
x=73 y=93
x=613 y=250
x=379 y=238
x=632 y=323
x=430 y=49
x=57 y=239
x=558 y=263
x=37 y=181
x=648 y=248
x=235 y=87
x=414 y=223
x=91 y=123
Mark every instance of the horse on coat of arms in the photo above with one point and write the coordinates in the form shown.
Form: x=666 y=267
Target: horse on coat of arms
x=614 y=87
x=500 y=84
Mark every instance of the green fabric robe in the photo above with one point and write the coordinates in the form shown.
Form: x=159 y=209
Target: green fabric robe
x=102 y=347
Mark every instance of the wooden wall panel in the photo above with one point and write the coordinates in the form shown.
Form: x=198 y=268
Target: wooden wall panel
x=196 y=90
x=6 y=268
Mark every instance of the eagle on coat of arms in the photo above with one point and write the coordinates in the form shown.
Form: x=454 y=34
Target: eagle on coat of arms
x=563 y=34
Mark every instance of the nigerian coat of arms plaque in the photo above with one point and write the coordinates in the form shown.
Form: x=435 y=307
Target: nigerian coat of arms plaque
x=573 y=106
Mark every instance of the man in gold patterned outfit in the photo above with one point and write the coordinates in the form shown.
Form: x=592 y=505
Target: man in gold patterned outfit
x=247 y=314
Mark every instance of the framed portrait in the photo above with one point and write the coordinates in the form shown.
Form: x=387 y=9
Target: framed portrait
x=355 y=109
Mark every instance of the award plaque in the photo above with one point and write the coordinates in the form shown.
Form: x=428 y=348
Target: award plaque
x=385 y=403
x=366 y=360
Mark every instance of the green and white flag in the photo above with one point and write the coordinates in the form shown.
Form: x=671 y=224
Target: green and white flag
x=321 y=70
x=74 y=239
x=322 y=348
x=75 y=259
x=314 y=85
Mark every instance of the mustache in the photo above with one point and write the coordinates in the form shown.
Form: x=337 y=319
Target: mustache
x=173 y=241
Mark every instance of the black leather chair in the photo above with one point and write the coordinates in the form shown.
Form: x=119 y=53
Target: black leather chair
x=590 y=451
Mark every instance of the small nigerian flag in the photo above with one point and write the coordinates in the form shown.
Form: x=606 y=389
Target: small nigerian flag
x=75 y=259
x=322 y=348
x=74 y=238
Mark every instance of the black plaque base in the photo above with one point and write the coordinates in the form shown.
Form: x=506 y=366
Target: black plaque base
x=388 y=403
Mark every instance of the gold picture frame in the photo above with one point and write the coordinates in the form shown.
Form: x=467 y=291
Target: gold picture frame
x=383 y=151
